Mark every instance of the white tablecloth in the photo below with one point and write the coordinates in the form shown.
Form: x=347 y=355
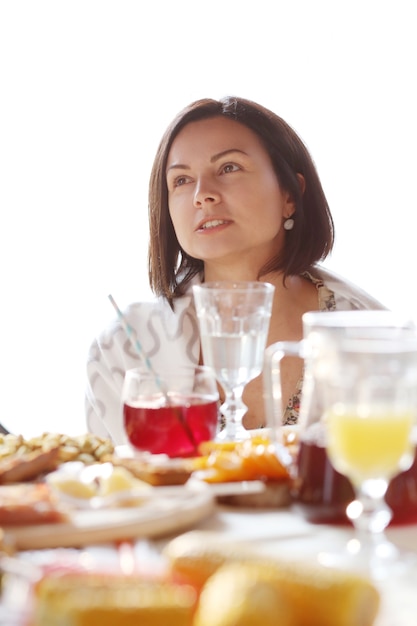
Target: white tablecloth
x=271 y=532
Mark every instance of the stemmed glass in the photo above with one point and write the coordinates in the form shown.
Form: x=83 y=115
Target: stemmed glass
x=370 y=420
x=234 y=321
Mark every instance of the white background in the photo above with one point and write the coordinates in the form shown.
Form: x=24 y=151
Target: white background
x=86 y=90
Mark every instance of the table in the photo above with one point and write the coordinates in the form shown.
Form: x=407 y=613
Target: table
x=273 y=532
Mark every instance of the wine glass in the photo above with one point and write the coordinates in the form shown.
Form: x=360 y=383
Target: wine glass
x=234 y=321
x=370 y=420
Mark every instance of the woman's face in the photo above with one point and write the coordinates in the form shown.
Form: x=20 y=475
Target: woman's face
x=224 y=198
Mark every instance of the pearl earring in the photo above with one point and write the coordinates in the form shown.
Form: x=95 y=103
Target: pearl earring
x=289 y=223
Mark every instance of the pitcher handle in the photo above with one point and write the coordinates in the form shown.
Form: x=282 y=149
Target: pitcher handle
x=272 y=378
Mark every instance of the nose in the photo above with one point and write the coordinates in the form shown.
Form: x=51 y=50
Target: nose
x=205 y=193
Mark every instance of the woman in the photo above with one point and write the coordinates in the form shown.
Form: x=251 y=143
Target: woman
x=234 y=195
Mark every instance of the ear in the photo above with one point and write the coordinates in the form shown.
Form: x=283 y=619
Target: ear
x=301 y=182
x=290 y=200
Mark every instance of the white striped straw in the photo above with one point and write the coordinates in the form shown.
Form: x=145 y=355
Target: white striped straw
x=141 y=353
x=130 y=332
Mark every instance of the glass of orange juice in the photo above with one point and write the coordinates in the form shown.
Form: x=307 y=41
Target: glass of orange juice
x=320 y=493
x=370 y=399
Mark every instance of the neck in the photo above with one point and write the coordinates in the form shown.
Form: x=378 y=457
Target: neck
x=241 y=273
x=231 y=271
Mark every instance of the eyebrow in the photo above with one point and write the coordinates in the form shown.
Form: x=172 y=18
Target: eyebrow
x=213 y=159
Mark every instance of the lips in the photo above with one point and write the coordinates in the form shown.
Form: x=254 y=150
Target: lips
x=212 y=224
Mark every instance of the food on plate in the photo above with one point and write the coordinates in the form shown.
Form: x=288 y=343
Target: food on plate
x=93 y=599
x=43 y=459
x=28 y=466
x=29 y=503
x=249 y=598
x=157 y=473
x=255 y=458
x=87 y=447
x=226 y=577
x=275 y=593
x=120 y=479
x=111 y=484
x=73 y=487
x=191 y=557
x=275 y=494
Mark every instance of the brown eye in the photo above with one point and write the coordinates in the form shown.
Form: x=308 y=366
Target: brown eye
x=230 y=167
x=181 y=180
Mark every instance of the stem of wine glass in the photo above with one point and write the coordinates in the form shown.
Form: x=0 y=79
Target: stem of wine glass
x=370 y=551
x=370 y=514
x=233 y=410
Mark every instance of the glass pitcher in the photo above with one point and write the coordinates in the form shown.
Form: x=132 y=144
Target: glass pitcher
x=320 y=493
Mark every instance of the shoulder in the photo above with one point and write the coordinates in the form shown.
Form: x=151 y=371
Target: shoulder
x=159 y=310
x=156 y=313
x=347 y=295
x=154 y=323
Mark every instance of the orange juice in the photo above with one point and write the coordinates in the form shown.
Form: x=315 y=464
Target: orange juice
x=321 y=494
x=376 y=446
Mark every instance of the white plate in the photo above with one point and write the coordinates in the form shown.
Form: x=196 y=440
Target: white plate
x=156 y=517
x=226 y=489
x=169 y=509
x=91 y=476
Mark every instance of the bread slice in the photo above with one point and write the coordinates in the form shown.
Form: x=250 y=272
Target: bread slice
x=170 y=472
x=276 y=494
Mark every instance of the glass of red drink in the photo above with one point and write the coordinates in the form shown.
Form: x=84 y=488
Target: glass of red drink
x=173 y=413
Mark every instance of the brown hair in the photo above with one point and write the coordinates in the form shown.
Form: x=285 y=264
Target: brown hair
x=311 y=239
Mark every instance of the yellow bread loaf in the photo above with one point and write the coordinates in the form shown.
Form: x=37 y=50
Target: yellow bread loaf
x=81 y=599
x=242 y=596
x=309 y=594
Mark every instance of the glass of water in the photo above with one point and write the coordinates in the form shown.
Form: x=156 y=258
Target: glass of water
x=234 y=322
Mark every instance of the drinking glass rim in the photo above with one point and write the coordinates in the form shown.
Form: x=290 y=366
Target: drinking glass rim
x=382 y=345
x=358 y=318
x=198 y=367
